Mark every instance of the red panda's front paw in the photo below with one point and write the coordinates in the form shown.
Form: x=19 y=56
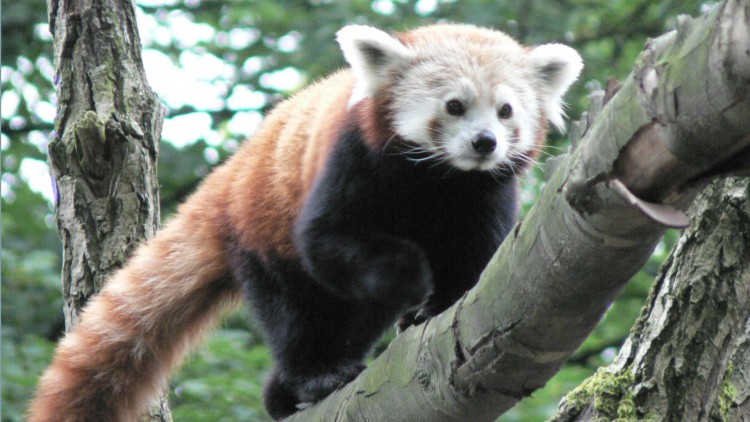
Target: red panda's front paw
x=407 y=320
x=415 y=317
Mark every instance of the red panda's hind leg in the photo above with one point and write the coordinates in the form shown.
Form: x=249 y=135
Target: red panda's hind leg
x=285 y=395
x=279 y=397
x=313 y=389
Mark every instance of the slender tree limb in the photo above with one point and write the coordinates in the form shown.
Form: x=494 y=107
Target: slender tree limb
x=593 y=227
x=28 y=127
x=582 y=357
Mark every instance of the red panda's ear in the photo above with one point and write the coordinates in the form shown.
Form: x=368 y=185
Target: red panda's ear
x=372 y=54
x=555 y=67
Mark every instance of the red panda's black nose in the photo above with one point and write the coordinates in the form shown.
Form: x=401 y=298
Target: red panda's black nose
x=484 y=142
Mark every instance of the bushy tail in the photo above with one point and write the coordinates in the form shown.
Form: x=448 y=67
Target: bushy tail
x=139 y=327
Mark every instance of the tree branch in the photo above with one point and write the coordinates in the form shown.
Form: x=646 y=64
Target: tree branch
x=588 y=233
x=7 y=129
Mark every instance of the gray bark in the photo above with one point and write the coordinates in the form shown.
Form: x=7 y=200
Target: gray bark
x=686 y=359
x=736 y=391
x=679 y=119
x=103 y=155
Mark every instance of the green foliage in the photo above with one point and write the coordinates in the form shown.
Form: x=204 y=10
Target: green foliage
x=24 y=359
x=31 y=296
x=225 y=377
x=18 y=29
x=543 y=403
x=180 y=171
x=31 y=300
x=223 y=381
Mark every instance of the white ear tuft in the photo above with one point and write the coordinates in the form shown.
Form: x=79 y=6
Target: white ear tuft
x=556 y=67
x=372 y=54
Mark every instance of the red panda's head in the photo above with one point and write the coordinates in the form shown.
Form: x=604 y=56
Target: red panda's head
x=471 y=97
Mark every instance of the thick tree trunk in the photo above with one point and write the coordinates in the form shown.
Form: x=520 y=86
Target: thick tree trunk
x=637 y=167
x=103 y=156
x=686 y=359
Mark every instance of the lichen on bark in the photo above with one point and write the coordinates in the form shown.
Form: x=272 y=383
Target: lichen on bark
x=607 y=392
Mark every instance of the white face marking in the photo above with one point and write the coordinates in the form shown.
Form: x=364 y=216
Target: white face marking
x=481 y=69
x=479 y=117
x=422 y=117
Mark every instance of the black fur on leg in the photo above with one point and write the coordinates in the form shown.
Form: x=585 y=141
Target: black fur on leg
x=279 y=399
x=285 y=394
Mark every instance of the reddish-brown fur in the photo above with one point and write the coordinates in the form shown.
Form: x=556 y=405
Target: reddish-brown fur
x=271 y=175
x=376 y=131
x=154 y=310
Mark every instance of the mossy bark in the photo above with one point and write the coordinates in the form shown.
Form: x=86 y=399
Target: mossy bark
x=686 y=359
x=633 y=173
x=103 y=155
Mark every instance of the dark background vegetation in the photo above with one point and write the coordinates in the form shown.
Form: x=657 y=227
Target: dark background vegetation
x=255 y=43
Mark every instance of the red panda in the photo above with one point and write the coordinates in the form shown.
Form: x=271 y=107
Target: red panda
x=375 y=193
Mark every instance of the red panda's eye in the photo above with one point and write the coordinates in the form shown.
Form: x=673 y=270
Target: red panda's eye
x=454 y=108
x=505 y=111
